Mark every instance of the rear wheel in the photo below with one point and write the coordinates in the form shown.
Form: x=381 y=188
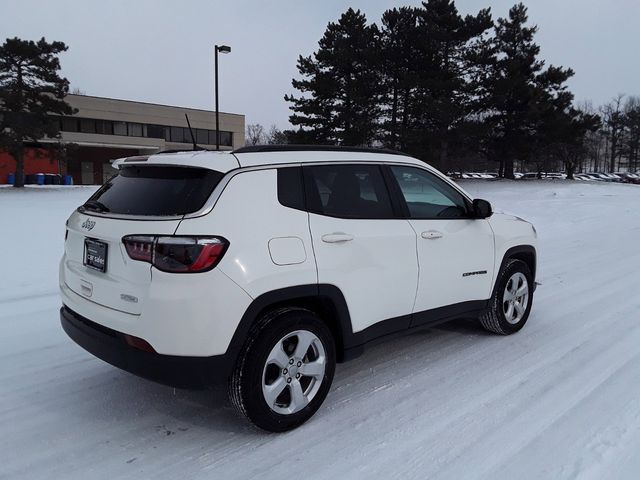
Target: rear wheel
x=285 y=371
x=511 y=302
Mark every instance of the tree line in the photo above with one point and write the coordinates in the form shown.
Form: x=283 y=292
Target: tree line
x=453 y=90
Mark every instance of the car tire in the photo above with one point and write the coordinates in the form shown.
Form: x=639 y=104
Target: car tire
x=276 y=384
x=511 y=301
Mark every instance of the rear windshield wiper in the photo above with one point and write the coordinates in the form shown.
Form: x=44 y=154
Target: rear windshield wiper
x=95 y=205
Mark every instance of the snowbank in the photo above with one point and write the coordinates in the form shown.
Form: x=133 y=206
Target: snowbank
x=557 y=400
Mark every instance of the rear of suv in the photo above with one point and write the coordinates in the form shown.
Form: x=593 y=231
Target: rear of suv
x=263 y=267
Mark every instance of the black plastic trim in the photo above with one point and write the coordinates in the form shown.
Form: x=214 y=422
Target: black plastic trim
x=442 y=314
x=313 y=148
x=513 y=252
x=110 y=345
x=348 y=344
x=290 y=189
x=200 y=372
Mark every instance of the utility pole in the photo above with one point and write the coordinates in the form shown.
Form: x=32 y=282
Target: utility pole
x=218 y=49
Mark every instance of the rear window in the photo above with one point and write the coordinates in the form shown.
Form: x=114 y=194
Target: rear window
x=154 y=191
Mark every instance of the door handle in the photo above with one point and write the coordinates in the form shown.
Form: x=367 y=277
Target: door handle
x=431 y=234
x=337 y=237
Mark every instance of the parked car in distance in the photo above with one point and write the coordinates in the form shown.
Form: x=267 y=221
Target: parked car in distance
x=264 y=267
x=587 y=177
x=603 y=177
x=628 y=177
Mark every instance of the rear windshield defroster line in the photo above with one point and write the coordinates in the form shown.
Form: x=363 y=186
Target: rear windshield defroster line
x=154 y=191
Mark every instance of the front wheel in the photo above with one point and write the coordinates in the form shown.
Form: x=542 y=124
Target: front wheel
x=285 y=370
x=511 y=302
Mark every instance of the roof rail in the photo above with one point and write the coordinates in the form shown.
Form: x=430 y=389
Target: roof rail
x=184 y=150
x=312 y=148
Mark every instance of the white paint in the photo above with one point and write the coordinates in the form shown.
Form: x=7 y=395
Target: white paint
x=287 y=250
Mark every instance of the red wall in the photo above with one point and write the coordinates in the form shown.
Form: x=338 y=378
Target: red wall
x=33 y=163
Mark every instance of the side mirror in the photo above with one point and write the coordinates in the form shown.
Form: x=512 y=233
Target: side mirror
x=481 y=208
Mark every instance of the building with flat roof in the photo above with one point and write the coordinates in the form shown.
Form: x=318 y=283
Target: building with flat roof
x=104 y=129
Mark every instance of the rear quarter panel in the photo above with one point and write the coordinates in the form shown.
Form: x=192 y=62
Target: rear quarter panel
x=250 y=217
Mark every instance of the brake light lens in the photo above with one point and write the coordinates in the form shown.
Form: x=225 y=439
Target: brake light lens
x=140 y=247
x=179 y=254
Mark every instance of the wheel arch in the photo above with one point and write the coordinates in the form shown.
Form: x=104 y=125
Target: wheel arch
x=326 y=300
x=525 y=253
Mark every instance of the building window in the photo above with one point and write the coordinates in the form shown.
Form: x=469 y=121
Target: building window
x=69 y=124
x=120 y=128
x=104 y=127
x=135 y=129
x=87 y=125
x=225 y=139
x=176 y=134
x=155 y=131
x=132 y=129
x=202 y=137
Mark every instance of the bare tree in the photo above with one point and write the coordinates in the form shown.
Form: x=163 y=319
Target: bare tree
x=255 y=134
x=594 y=141
x=276 y=136
x=613 y=119
x=632 y=138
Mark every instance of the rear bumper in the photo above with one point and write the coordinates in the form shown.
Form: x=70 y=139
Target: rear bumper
x=110 y=345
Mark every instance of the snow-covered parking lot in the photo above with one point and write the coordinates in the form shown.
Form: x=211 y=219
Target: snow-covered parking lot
x=560 y=399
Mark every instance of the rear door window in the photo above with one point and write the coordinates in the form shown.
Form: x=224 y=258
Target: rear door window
x=290 y=189
x=154 y=191
x=348 y=191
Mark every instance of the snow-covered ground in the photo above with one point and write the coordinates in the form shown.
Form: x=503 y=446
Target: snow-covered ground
x=561 y=399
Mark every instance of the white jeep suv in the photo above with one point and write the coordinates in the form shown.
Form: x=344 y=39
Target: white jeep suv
x=265 y=266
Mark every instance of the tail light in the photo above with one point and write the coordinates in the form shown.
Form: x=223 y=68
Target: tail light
x=181 y=254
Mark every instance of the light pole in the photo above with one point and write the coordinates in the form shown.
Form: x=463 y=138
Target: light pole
x=219 y=49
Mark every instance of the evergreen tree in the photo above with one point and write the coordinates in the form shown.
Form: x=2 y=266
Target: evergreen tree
x=564 y=136
x=632 y=124
x=522 y=91
x=449 y=49
x=31 y=90
x=399 y=74
x=340 y=86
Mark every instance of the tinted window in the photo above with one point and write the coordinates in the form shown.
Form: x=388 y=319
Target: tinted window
x=349 y=191
x=87 y=125
x=225 y=138
x=290 y=190
x=135 y=129
x=155 y=131
x=104 y=127
x=69 y=124
x=176 y=134
x=119 y=128
x=201 y=136
x=152 y=190
x=427 y=196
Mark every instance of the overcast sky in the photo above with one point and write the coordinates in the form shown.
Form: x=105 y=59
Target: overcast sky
x=162 y=51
